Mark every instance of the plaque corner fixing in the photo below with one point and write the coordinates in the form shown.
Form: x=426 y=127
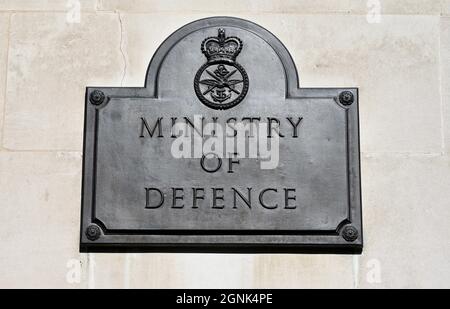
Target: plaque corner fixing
x=93 y=232
x=98 y=97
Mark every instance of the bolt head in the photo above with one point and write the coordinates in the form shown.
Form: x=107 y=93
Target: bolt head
x=346 y=98
x=97 y=97
x=350 y=233
x=93 y=232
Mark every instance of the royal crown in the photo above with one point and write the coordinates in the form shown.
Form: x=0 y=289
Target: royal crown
x=221 y=47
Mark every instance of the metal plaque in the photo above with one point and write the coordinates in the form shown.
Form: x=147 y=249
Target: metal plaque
x=221 y=151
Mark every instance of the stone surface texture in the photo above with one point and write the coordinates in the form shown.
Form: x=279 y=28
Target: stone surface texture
x=400 y=60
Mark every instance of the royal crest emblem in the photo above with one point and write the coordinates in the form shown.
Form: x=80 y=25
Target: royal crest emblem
x=221 y=83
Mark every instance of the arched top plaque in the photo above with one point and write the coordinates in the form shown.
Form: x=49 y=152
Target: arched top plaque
x=147 y=189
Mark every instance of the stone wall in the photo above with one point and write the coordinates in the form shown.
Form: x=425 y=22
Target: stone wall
x=400 y=60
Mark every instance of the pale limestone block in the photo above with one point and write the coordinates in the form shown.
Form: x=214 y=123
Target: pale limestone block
x=413 y=7
x=445 y=7
x=4 y=26
x=394 y=63
x=47 y=5
x=402 y=7
x=50 y=64
x=445 y=55
x=405 y=210
x=142 y=35
x=190 y=271
x=241 y=6
x=106 y=271
x=445 y=79
x=151 y=270
x=133 y=270
x=446 y=121
x=214 y=271
x=40 y=211
x=401 y=92
x=303 y=271
x=388 y=7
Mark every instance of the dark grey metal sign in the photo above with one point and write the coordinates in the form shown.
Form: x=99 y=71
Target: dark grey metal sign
x=221 y=151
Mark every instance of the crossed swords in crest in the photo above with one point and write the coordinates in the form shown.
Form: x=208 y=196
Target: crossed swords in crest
x=220 y=81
